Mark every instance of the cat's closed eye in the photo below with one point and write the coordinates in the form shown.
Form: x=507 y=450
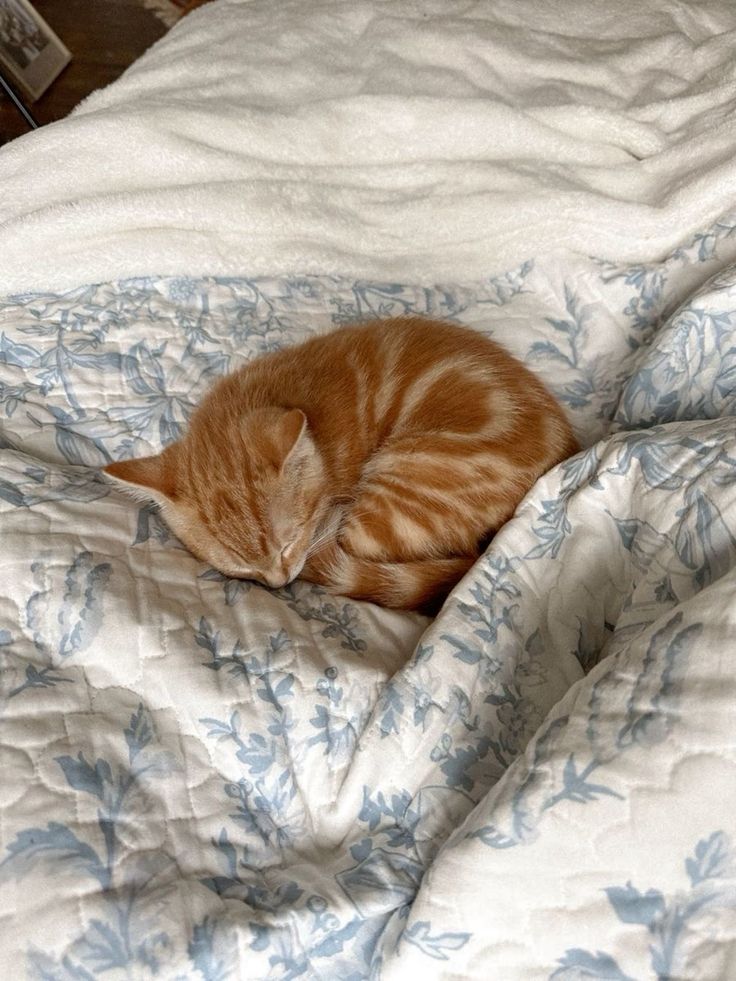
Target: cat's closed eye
x=288 y=551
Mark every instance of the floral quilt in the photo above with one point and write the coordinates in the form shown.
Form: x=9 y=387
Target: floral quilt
x=205 y=779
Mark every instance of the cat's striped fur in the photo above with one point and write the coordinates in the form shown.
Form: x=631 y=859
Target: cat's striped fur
x=375 y=460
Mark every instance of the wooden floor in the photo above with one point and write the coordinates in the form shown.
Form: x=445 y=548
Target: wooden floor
x=104 y=39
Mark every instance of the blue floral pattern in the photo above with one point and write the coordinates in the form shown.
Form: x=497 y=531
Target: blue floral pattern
x=223 y=782
x=669 y=920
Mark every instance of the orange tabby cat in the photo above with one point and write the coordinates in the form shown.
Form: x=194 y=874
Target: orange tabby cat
x=373 y=460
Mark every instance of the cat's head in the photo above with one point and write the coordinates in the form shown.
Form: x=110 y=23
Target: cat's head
x=246 y=496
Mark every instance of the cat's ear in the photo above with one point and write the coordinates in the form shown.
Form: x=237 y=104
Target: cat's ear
x=292 y=426
x=152 y=476
x=284 y=436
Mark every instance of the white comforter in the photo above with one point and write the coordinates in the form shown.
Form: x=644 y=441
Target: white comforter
x=204 y=779
x=406 y=140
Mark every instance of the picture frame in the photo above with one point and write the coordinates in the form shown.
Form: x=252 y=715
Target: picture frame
x=31 y=55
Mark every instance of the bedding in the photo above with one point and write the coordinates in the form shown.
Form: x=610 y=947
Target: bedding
x=202 y=778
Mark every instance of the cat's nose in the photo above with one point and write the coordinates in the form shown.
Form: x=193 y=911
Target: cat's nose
x=275 y=579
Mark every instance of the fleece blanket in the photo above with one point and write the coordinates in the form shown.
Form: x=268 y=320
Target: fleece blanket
x=205 y=779
x=399 y=140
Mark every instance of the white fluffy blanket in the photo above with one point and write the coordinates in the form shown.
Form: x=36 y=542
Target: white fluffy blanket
x=414 y=140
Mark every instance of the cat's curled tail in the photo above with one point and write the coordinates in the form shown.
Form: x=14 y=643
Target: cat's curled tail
x=418 y=584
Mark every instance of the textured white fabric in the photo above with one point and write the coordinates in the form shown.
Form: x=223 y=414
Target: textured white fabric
x=413 y=140
x=204 y=779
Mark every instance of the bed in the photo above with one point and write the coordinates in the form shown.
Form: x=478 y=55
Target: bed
x=205 y=779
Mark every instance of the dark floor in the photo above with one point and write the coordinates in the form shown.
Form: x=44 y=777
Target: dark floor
x=104 y=37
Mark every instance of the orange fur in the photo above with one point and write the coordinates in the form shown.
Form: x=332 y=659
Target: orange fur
x=375 y=460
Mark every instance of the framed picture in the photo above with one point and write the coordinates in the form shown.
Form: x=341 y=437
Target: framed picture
x=31 y=55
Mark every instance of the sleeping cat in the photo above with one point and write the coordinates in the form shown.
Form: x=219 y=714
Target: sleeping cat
x=374 y=460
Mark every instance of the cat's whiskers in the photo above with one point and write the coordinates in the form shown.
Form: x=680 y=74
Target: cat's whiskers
x=326 y=538
x=330 y=534
x=318 y=545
